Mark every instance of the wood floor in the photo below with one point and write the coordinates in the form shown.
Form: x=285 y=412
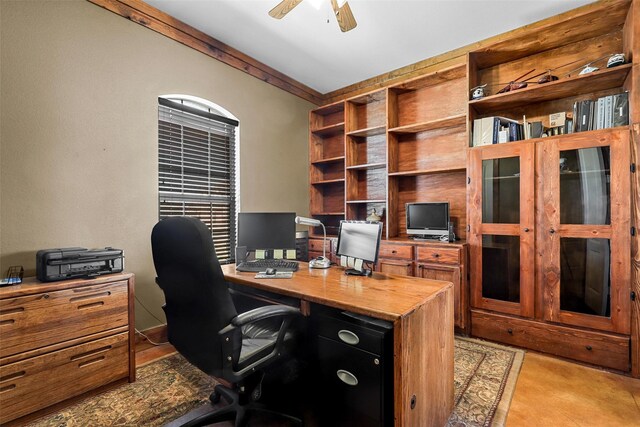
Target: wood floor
x=549 y=392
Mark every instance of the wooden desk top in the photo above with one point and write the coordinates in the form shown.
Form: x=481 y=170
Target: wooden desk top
x=382 y=296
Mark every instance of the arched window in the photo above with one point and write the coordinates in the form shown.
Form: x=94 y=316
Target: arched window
x=197 y=143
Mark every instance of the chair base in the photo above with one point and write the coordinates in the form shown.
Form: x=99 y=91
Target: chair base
x=235 y=410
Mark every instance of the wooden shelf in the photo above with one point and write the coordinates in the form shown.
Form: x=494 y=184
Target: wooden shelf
x=608 y=78
x=328 y=160
x=329 y=130
x=371 y=131
x=447 y=122
x=332 y=108
x=426 y=171
x=368 y=98
x=368 y=166
x=584 y=134
x=329 y=181
x=366 y=201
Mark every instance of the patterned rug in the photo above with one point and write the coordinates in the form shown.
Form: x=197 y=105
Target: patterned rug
x=485 y=377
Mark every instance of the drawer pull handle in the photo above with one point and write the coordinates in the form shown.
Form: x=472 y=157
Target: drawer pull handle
x=7 y=388
x=45 y=296
x=93 y=304
x=436 y=255
x=347 y=377
x=394 y=252
x=91 y=362
x=90 y=353
x=589 y=348
x=510 y=331
x=13 y=376
x=7 y=322
x=348 y=337
x=96 y=295
x=526 y=229
x=12 y=311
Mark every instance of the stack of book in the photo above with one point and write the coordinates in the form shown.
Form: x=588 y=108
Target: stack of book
x=606 y=112
x=496 y=130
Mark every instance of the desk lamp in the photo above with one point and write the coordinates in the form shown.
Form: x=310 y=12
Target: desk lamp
x=321 y=261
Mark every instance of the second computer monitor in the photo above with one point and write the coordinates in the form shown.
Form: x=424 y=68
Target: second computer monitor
x=360 y=240
x=267 y=230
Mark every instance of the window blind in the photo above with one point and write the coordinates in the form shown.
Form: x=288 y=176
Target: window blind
x=196 y=170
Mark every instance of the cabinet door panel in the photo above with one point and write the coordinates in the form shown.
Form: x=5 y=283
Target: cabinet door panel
x=586 y=266
x=448 y=274
x=501 y=217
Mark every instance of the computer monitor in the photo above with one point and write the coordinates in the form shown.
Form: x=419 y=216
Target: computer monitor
x=358 y=242
x=267 y=230
x=428 y=219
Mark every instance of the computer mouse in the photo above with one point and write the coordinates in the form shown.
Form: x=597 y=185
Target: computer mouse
x=270 y=271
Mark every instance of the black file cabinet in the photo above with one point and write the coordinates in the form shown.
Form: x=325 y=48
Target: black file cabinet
x=355 y=368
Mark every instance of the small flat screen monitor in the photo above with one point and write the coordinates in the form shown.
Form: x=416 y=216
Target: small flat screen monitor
x=430 y=219
x=359 y=240
x=267 y=230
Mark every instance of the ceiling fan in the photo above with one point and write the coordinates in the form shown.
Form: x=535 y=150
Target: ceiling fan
x=343 y=13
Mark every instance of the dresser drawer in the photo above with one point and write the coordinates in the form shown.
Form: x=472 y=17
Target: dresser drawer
x=439 y=255
x=597 y=348
x=35 y=321
x=390 y=250
x=316 y=245
x=32 y=384
x=350 y=334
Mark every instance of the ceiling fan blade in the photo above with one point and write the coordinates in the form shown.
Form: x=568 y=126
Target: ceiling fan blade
x=282 y=8
x=345 y=18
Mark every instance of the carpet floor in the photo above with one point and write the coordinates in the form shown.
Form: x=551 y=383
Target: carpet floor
x=485 y=375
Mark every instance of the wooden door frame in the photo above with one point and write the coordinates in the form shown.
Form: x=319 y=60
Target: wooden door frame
x=617 y=232
x=525 y=230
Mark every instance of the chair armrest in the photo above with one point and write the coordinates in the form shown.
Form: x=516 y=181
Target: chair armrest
x=251 y=316
x=263 y=313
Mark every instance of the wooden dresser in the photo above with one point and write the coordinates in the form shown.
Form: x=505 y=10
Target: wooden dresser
x=62 y=339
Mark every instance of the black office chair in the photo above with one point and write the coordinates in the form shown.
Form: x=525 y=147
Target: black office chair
x=203 y=324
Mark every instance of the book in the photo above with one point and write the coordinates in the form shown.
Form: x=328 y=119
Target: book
x=536 y=129
x=557 y=119
x=620 y=109
x=503 y=135
x=600 y=114
x=608 y=111
x=477 y=131
x=514 y=131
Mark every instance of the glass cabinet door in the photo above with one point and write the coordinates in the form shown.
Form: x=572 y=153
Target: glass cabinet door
x=501 y=218
x=585 y=233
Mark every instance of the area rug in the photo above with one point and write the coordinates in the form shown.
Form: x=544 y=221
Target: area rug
x=485 y=377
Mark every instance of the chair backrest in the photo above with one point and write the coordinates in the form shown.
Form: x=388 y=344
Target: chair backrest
x=197 y=299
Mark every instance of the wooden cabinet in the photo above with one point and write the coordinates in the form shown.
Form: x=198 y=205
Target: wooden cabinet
x=63 y=339
x=431 y=260
x=550 y=217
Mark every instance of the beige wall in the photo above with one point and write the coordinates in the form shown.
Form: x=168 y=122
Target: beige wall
x=78 y=141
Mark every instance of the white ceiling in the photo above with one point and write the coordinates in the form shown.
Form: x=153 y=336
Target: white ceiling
x=308 y=46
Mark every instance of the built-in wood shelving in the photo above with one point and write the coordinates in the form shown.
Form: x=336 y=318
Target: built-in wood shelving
x=568 y=87
x=378 y=165
x=329 y=130
x=426 y=171
x=371 y=131
x=328 y=160
x=444 y=123
x=366 y=201
x=328 y=181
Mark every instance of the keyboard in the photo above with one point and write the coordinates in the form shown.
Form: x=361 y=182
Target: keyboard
x=263 y=264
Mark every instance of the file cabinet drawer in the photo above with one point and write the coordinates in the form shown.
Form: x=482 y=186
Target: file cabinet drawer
x=350 y=334
x=388 y=250
x=354 y=380
x=26 y=322
x=439 y=255
x=37 y=382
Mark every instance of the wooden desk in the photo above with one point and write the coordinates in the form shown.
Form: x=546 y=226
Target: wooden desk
x=422 y=314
